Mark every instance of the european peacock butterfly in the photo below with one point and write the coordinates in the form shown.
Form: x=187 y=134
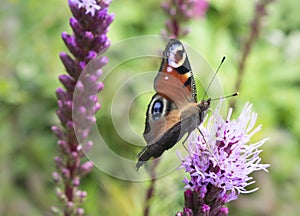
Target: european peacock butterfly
x=173 y=110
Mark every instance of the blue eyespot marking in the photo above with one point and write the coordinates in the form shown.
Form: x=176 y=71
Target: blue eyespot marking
x=157 y=110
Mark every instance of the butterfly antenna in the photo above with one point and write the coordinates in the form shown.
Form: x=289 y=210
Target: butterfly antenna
x=214 y=76
x=227 y=96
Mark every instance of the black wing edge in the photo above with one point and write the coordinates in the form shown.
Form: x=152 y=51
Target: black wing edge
x=155 y=150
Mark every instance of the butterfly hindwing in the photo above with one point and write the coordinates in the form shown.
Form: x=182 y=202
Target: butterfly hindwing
x=161 y=115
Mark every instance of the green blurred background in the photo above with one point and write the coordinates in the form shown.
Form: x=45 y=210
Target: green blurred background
x=30 y=43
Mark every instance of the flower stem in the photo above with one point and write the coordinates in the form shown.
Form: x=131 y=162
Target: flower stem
x=150 y=191
x=255 y=27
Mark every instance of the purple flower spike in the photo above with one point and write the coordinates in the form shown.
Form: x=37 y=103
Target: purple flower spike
x=220 y=161
x=180 y=12
x=90 y=26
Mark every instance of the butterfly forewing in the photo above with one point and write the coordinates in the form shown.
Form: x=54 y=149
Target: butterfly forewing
x=175 y=78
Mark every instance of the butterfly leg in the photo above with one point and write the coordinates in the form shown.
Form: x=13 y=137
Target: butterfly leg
x=205 y=140
x=183 y=142
x=208 y=146
x=202 y=135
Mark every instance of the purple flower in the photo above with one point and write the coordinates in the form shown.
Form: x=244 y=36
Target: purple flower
x=90 y=25
x=90 y=6
x=219 y=162
x=199 y=8
x=179 y=12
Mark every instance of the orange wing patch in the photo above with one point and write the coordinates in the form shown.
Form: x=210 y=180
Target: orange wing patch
x=174 y=73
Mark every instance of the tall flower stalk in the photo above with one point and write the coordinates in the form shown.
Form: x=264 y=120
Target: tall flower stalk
x=90 y=25
x=254 y=31
x=220 y=162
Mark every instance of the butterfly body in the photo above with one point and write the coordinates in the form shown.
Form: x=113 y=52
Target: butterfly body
x=173 y=111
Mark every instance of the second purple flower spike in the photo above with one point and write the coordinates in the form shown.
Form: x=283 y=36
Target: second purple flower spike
x=219 y=164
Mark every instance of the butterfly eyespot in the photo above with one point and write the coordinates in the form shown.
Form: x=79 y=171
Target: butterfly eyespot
x=166 y=77
x=177 y=56
x=157 y=110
